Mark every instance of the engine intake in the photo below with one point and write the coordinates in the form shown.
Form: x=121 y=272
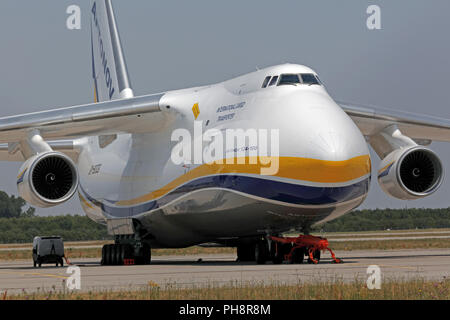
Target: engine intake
x=410 y=173
x=47 y=179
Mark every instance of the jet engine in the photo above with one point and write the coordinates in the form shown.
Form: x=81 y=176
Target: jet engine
x=410 y=173
x=47 y=179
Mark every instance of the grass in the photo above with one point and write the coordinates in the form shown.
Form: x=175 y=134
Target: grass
x=335 y=290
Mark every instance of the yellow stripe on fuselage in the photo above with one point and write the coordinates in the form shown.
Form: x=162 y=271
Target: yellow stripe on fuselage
x=313 y=170
x=84 y=201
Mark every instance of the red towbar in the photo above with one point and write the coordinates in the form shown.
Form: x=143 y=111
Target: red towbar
x=310 y=243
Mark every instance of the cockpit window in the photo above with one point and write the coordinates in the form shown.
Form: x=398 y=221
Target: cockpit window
x=273 y=81
x=266 y=81
x=309 y=78
x=289 y=79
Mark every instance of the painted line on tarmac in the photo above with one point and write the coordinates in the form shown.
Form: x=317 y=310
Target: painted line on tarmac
x=36 y=274
x=383 y=266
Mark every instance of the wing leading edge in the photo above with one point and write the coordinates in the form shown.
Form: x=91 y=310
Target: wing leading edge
x=421 y=128
x=135 y=115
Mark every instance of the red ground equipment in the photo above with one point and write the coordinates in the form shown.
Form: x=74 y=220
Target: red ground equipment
x=307 y=242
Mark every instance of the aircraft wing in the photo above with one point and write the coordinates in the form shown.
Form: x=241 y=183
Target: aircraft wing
x=421 y=128
x=134 y=115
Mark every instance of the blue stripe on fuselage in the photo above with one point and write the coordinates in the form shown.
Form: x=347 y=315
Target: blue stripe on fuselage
x=263 y=188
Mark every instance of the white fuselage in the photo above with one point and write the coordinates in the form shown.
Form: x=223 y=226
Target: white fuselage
x=324 y=165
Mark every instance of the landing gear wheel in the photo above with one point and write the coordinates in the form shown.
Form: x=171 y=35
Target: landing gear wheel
x=121 y=253
x=261 y=252
x=109 y=254
x=245 y=253
x=128 y=252
x=103 y=261
x=277 y=252
x=298 y=255
x=116 y=254
x=146 y=254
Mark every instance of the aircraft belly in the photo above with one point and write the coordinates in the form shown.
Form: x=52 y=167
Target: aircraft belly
x=214 y=214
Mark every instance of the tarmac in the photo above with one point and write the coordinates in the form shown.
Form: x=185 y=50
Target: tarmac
x=220 y=270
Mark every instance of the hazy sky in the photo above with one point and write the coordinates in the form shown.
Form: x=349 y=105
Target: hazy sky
x=178 y=44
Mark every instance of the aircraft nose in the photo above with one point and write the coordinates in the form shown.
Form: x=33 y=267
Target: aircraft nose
x=336 y=167
x=343 y=154
x=329 y=138
x=334 y=145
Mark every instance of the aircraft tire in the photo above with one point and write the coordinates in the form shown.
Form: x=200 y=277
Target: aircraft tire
x=298 y=256
x=276 y=252
x=108 y=255
x=146 y=254
x=121 y=253
x=116 y=254
x=246 y=253
x=261 y=252
x=103 y=260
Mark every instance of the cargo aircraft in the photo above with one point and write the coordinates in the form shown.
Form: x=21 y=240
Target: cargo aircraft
x=116 y=154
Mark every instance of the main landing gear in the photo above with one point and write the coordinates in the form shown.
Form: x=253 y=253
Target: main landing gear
x=126 y=251
x=291 y=249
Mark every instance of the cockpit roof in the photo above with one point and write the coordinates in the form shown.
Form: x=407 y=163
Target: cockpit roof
x=251 y=82
x=287 y=68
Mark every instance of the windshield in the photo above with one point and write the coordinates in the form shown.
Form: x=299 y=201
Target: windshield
x=309 y=78
x=289 y=79
x=273 y=81
x=303 y=78
x=266 y=81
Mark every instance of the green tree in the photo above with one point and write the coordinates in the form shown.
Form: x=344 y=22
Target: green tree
x=382 y=219
x=12 y=207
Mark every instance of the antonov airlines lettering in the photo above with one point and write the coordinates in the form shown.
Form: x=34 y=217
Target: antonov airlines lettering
x=153 y=188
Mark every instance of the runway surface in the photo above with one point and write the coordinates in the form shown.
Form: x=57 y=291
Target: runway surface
x=188 y=271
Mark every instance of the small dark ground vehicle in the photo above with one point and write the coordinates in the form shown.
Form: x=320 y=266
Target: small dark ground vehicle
x=48 y=250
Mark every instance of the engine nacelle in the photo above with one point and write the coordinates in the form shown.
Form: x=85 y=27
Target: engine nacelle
x=47 y=179
x=410 y=173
